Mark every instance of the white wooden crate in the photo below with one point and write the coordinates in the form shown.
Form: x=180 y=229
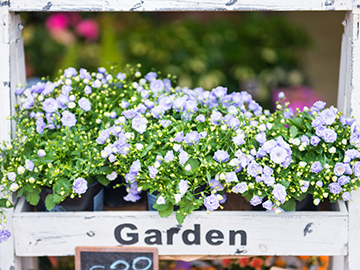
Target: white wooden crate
x=218 y=233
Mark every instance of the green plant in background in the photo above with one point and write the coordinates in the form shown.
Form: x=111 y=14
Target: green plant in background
x=250 y=51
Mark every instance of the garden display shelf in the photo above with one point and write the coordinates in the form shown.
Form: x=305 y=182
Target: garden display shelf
x=238 y=233
x=202 y=234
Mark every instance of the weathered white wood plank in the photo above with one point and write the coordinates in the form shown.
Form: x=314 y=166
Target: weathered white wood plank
x=352 y=90
x=177 y=5
x=295 y=233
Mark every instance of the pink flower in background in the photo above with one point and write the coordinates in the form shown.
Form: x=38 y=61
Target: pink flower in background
x=89 y=29
x=56 y=22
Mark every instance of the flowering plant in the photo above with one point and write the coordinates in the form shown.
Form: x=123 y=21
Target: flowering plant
x=57 y=124
x=191 y=146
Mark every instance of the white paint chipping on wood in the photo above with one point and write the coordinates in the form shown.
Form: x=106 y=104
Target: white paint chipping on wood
x=294 y=233
x=177 y=5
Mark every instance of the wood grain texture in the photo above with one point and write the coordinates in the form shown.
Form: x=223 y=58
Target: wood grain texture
x=295 y=233
x=178 y=5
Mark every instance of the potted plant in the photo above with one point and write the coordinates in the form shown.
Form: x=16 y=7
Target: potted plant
x=174 y=141
x=55 y=147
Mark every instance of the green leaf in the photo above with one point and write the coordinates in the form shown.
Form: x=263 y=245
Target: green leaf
x=147 y=149
x=102 y=180
x=106 y=169
x=167 y=212
x=300 y=197
x=3 y=202
x=53 y=199
x=32 y=197
x=180 y=217
x=293 y=131
x=290 y=205
x=162 y=207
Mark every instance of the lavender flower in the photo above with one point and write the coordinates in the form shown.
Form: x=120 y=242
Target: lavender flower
x=355 y=138
x=84 y=74
x=279 y=192
x=261 y=137
x=231 y=177
x=268 y=146
x=156 y=86
x=221 y=156
x=305 y=140
x=85 y=104
x=211 y=202
x=343 y=180
x=268 y=205
x=135 y=166
x=216 y=118
x=319 y=105
x=278 y=155
x=152 y=172
x=215 y=184
x=192 y=138
x=356 y=169
x=87 y=90
x=133 y=194
x=50 y=105
x=317 y=122
x=316 y=167
x=329 y=135
x=80 y=185
x=139 y=123
x=41 y=153
x=339 y=169
x=29 y=165
x=4 y=235
x=103 y=136
x=314 y=140
x=256 y=200
x=121 y=76
x=183 y=186
x=150 y=76
x=267 y=170
x=49 y=88
x=254 y=169
x=346 y=196
x=169 y=156
x=165 y=123
x=268 y=180
x=183 y=157
x=240 y=188
x=328 y=115
x=11 y=176
x=129 y=114
x=335 y=188
x=40 y=125
x=200 y=118
x=70 y=72
x=238 y=139
x=68 y=119
x=179 y=137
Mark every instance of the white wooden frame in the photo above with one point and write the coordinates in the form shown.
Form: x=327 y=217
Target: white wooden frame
x=342 y=226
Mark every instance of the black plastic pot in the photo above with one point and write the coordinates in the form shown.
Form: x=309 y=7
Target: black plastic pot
x=113 y=197
x=91 y=200
x=305 y=205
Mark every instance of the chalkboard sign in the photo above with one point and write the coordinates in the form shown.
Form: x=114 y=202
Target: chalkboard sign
x=122 y=258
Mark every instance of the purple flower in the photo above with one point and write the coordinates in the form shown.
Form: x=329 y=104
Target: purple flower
x=66 y=89
x=254 y=169
x=41 y=153
x=80 y=185
x=28 y=103
x=352 y=154
x=343 y=180
x=211 y=202
x=157 y=112
x=11 y=176
x=281 y=95
x=40 y=125
x=221 y=156
x=133 y=195
x=70 y=72
x=240 y=188
x=339 y=169
x=268 y=146
x=50 y=105
x=314 y=140
x=68 y=119
x=29 y=165
x=268 y=205
x=156 y=86
x=129 y=114
x=279 y=192
x=19 y=91
x=319 y=105
x=152 y=172
x=356 y=169
x=167 y=84
x=179 y=137
x=49 y=88
x=150 y=76
x=219 y=91
x=267 y=170
x=231 y=177
x=183 y=157
x=268 y=180
x=96 y=84
x=316 y=167
x=335 y=188
x=278 y=155
x=165 y=123
x=317 y=122
x=62 y=100
x=192 y=138
x=319 y=131
x=238 y=139
x=215 y=184
x=256 y=200
x=288 y=113
x=169 y=156
x=4 y=235
x=84 y=74
x=216 y=118
x=85 y=104
x=103 y=136
x=328 y=115
x=261 y=137
x=183 y=186
x=135 y=166
x=355 y=137
x=305 y=139
x=139 y=123
x=329 y=135
x=121 y=76
x=87 y=90
x=200 y=118
x=149 y=104
x=346 y=196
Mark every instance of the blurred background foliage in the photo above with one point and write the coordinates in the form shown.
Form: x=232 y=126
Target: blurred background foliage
x=256 y=52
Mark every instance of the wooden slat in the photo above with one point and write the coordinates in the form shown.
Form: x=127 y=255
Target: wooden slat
x=178 y=5
x=293 y=233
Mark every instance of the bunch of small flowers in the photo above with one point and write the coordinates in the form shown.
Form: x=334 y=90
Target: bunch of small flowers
x=181 y=143
x=57 y=124
x=313 y=152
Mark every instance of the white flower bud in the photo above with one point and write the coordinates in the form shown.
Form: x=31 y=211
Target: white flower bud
x=176 y=147
x=316 y=201
x=139 y=146
x=86 y=81
x=223 y=127
x=40 y=98
x=20 y=170
x=157 y=164
x=332 y=150
x=142 y=81
x=160 y=200
x=31 y=180
x=222 y=176
x=71 y=105
x=344 y=141
x=137 y=74
x=68 y=81
x=188 y=167
x=302 y=164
